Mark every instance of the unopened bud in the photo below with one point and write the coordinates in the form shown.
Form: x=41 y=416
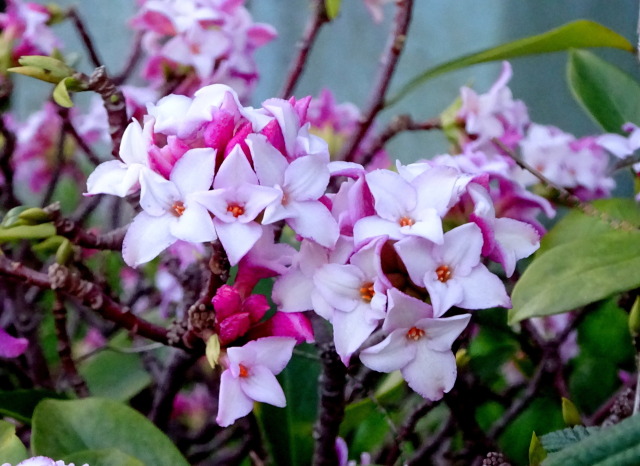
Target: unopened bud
x=212 y=351
x=570 y=413
x=634 y=319
x=34 y=215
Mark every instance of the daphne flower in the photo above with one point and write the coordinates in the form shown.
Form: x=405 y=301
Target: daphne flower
x=418 y=345
x=174 y=210
x=452 y=272
x=42 y=461
x=236 y=201
x=11 y=347
x=250 y=376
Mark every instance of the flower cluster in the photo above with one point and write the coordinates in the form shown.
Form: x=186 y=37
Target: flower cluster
x=194 y=43
x=390 y=253
x=494 y=123
x=41 y=461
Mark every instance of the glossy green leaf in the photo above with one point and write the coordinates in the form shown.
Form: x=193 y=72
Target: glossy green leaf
x=577 y=34
x=11 y=448
x=555 y=441
x=332 y=8
x=608 y=94
x=106 y=457
x=44 y=230
x=114 y=375
x=62 y=428
x=61 y=94
x=289 y=430
x=577 y=273
x=578 y=225
x=618 y=445
x=593 y=380
x=19 y=404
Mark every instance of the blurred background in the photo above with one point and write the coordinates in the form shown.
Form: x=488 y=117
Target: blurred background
x=347 y=52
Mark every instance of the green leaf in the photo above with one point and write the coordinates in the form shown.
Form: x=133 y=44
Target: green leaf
x=62 y=428
x=44 y=230
x=289 y=430
x=578 y=225
x=577 y=273
x=537 y=452
x=44 y=68
x=114 y=375
x=19 y=404
x=618 y=445
x=105 y=457
x=608 y=94
x=556 y=441
x=570 y=414
x=577 y=34
x=11 y=448
x=592 y=381
x=61 y=94
x=332 y=8
x=13 y=216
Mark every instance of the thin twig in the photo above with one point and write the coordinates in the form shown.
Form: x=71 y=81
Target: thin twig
x=168 y=387
x=315 y=23
x=331 y=407
x=388 y=62
x=60 y=162
x=423 y=454
x=132 y=60
x=6 y=169
x=72 y=14
x=64 y=349
x=70 y=284
x=91 y=155
x=399 y=124
x=407 y=429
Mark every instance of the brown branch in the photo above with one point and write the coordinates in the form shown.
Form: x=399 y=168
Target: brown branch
x=114 y=103
x=331 y=408
x=72 y=230
x=64 y=349
x=6 y=169
x=399 y=124
x=315 y=23
x=389 y=61
x=73 y=15
x=407 y=429
x=132 y=60
x=70 y=284
x=70 y=129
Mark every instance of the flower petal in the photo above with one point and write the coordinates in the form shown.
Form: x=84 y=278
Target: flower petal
x=237 y=238
x=391 y=354
x=194 y=225
x=261 y=385
x=273 y=353
x=147 y=237
x=11 y=347
x=432 y=373
x=233 y=403
x=194 y=171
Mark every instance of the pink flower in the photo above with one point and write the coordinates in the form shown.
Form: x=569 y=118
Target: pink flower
x=452 y=272
x=42 y=461
x=11 y=347
x=418 y=345
x=250 y=376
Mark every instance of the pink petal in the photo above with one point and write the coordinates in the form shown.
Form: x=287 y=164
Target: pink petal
x=483 y=290
x=292 y=292
x=442 y=332
x=312 y=220
x=11 y=347
x=461 y=248
x=194 y=171
x=269 y=163
x=282 y=324
x=237 y=238
x=306 y=178
x=394 y=197
x=351 y=329
x=235 y=171
x=273 y=353
x=404 y=311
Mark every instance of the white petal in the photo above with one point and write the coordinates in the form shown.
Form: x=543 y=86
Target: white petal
x=394 y=197
x=351 y=329
x=273 y=352
x=194 y=171
x=235 y=171
x=306 y=178
x=404 y=311
x=232 y=401
x=374 y=226
x=461 y=248
x=269 y=163
x=194 y=225
x=237 y=238
x=113 y=177
x=147 y=237
x=391 y=354
x=292 y=292
x=483 y=290
x=340 y=285
x=133 y=147
x=417 y=256
x=441 y=333
x=312 y=220
x=261 y=385
x=157 y=194
x=431 y=373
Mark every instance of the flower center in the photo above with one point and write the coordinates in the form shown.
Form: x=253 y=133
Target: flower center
x=244 y=372
x=415 y=333
x=178 y=208
x=235 y=210
x=443 y=273
x=406 y=222
x=367 y=292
